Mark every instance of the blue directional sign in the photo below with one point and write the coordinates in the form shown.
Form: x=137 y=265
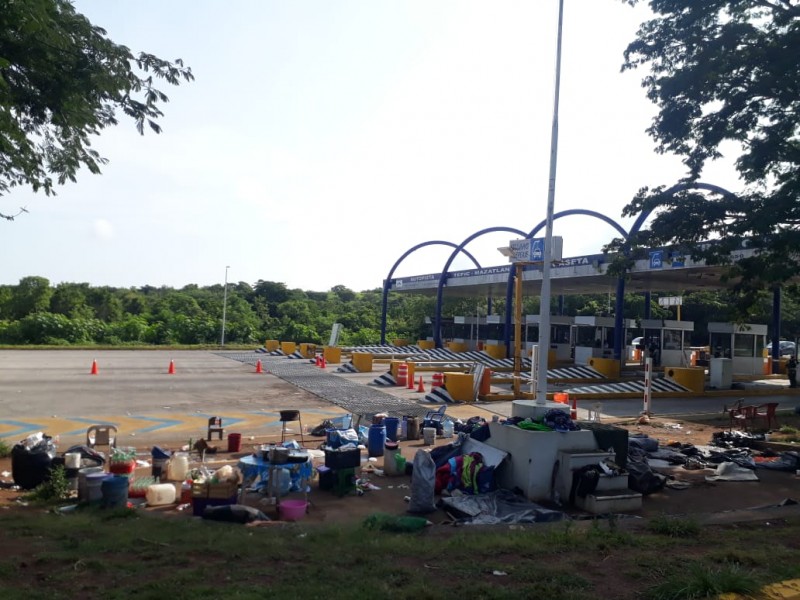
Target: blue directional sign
x=537 y=249
x=656 y=259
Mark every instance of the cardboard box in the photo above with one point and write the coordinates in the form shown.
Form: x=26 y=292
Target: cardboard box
x=216 y=491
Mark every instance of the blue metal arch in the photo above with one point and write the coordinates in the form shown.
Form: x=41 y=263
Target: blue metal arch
x=437 y=334
x=388 y=281
x=533 y=232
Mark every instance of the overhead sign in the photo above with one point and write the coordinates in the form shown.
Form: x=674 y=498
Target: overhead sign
x=656 y=259
x=670 y=301
x=533 y=249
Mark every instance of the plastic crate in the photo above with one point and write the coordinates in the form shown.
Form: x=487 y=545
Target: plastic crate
x=343 y=459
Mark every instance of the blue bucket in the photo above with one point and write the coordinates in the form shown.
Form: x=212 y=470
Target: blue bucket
x=115 y=491
x=376 y=440
x=391 y=427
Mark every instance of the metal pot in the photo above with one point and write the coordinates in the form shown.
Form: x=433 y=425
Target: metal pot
x=278 y=455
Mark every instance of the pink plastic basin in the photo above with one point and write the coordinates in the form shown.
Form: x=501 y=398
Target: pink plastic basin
x=293 y=510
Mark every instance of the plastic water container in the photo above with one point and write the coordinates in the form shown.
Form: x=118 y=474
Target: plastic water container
x=391 y=424
x=376 y=440
x=429 y=435
x=114 y=491
x=389 y=451
x=447 y=428
x=160 y=494
x=178 y=468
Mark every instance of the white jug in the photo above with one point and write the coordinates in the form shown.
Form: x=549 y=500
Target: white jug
x=159 y=494
x=178 y=468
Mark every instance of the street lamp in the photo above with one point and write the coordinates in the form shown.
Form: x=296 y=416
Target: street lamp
x=224 y=305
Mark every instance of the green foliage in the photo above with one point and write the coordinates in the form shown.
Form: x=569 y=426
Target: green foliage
x=725 y=74
x=62 y=81
x=704 y=582
x=5 y=449
x=54 y=489
x=674 y=526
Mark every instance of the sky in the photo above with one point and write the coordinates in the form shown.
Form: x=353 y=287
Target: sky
x=322 y=139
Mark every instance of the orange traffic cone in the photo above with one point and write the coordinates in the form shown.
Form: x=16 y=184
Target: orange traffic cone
x=171 y=370
x=94 y=370
x=573 y=413
x=421 y=387
x=259 y=369
x=410 y=385
x=322 y=362
x=317 y=362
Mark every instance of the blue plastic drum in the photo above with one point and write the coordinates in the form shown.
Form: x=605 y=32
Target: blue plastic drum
x=376 y=440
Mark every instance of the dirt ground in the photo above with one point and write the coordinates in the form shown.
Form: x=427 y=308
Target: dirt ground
x=700 y=497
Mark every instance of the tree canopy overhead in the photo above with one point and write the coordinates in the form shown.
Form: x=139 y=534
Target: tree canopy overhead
x=62 y=81
x=725 y=74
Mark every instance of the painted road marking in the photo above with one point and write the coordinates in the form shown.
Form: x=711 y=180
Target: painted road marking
x=252 y=422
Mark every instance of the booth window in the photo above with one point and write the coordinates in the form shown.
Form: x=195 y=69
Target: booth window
x=744 y=346
x=673 y=339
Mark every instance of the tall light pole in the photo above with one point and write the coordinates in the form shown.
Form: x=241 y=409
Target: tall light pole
x=224 y=305
x=544 y=306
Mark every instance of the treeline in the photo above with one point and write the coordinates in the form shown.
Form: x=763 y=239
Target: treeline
x=36 y=313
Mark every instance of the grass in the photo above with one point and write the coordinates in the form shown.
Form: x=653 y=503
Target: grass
x=123 y=554
x=674 y=526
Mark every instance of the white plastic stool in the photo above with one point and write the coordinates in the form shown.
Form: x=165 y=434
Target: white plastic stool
x=595 y=411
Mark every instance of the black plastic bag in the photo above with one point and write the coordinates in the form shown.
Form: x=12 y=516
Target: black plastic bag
x=30 y=466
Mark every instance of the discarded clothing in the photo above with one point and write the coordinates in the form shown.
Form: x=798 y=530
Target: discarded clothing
x=730 y=471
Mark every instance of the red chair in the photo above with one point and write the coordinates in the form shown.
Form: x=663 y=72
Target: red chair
x=767 y=412
x=742 y=417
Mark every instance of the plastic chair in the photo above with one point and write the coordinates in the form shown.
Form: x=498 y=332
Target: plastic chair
x=289 y=416
x=215 y=426
x=741 y=416
x=101 y=435
x=767 y=412
x=435 y=418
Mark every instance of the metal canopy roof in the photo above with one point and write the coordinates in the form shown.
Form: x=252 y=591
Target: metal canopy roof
x=577 y=275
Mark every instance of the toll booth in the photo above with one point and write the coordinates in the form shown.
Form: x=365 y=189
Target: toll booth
x=495 y=330
x=594 y=338
x=672 y=338
x=468 y=330
x=561 y=328
x=446 y=329
x=743 y=344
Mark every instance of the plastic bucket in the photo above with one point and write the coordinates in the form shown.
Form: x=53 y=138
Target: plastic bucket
x=83 y=486
x=114 y=490
x=292 y=510
x=72 y=460
x=94 y=483
x=389 y=450
x=376 y=439
x=234 y=442
x=391 y=427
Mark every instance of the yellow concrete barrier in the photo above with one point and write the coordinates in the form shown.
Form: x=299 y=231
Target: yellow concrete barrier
x=496 y=351
x=332 y=354
x=272 y=345
x=426 y=344
x=692 y=378
x=457 y=346
x=308 y=350
x=605 y=366
x=362 y=361
x=400 y=342
x=288 y=347
x=461 y=386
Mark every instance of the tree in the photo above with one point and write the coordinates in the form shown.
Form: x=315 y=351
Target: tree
x=726 y=73
x=62 y=81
